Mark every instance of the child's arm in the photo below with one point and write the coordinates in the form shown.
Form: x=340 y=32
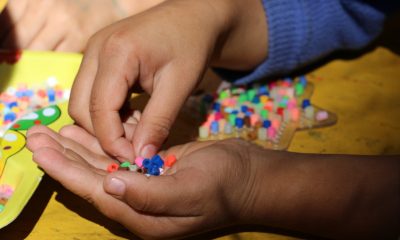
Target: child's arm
x=61 y=25
x=232 y=182
x=165 y=50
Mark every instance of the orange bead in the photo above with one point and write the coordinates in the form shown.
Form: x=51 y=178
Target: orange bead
x=112 y=167
x=170 y=160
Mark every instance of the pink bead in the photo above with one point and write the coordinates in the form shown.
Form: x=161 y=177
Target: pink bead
x=139 y=161
x=254 y=118
x=271 y=132
x=292 y=103
x=276 y=123
x=218 y=116
x=295 y=114
x=321 y=115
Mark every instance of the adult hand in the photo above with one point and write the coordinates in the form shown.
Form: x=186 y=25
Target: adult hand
x=164 y=50
x=210 y=186
x=61 y=25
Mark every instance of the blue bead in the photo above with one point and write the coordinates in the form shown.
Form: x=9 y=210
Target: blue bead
x=244 y=108
x=305 y=103
x=12 y=104
x=266 y=123
x=239 y=122
x=11 y=116
x=155 y=171
x=263 y=90
x=19 y=94
x=51 y=94
x=235 y=112
x=248 y=113
x=146 y=163
x=256 y=100
x=217 y=107
x=29 y=93
x=303 y=81
x=214 y=127
x=157 y=161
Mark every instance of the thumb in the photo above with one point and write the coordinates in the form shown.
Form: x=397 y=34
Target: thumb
x=166 y=100
x=161 y=195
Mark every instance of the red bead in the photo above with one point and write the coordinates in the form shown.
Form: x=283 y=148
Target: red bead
x=112 y=167
x=280 y=111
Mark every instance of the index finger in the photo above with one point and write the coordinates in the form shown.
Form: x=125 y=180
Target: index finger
x=117 y=71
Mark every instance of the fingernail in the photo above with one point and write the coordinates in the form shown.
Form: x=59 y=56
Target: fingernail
x=116 y=187
x=148 y=151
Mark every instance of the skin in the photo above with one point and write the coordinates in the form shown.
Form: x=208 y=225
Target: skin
x=166 y=57
x=35 y=24
x=333 y=196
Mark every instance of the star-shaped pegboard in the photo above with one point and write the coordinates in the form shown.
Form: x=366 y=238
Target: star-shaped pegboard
x=266 y=114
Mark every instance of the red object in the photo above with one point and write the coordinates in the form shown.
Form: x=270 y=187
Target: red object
x=16 y=125
x=37 y=122
x=10 y=57
x=280 y=111
x=42 y=93
x=170 y=160
x=112 y=167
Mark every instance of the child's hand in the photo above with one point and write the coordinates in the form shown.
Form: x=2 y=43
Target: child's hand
x=210 y=185
x=61 y=25
x=165 y=51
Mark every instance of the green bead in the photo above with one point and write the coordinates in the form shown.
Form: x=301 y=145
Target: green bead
x=223 y=95
x=231 y=119
x=251 y=93
x=2 y=207
x=264 y=114
x=299 y=89
x=242 y=98
x=125 y=164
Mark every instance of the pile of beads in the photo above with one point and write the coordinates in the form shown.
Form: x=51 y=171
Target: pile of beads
x=259 y=112
x=20 y=100
x=154 y=166
x=6 y=192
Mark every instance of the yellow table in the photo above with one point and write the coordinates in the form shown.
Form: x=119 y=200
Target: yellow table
x=363 y=92
x=2 y=4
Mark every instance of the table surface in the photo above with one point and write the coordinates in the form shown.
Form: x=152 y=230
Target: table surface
x=363 y=91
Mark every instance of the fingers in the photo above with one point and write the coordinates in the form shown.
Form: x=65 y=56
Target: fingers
x=115 y=76
x=173 y=195
x=79 y=135
x=71 y=44
x=81 y=88
x=81 y=180
x=48 y=38
x=13 y=12
x=169 y=93
x=27 y=27
x=40 y=136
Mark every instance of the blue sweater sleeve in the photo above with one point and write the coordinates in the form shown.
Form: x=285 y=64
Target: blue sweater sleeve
x=302 y=31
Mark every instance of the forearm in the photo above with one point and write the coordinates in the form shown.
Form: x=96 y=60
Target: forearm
x=330 y=196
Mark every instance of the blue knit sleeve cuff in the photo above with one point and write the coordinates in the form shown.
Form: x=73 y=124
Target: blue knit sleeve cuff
x=299 y=32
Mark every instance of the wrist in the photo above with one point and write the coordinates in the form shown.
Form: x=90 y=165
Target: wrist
x=243 y=44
